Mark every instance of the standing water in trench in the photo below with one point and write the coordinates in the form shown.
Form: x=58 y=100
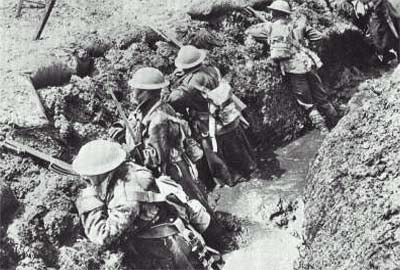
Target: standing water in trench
x=273 y=208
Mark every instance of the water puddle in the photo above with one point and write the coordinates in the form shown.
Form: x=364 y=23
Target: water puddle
x=272 y=205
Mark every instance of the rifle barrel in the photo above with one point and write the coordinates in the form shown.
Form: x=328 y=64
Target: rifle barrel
x=166 y=37
x=122 y=113
x=21 y=148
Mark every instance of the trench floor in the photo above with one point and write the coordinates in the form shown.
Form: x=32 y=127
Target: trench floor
x=265 y=245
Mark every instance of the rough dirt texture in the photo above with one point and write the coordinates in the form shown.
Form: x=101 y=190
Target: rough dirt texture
x=353 y=191
x=112 y=34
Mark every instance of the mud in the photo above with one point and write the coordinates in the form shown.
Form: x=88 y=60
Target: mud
x=273 y=209
x=352 y=194
x=46 y=232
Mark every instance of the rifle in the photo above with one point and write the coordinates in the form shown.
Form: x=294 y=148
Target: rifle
x=392 y=27
x=55 y=165
x=166 y=37
x=128 y=126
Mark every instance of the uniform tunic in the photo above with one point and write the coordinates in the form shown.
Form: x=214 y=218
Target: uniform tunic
x=157 y=126
x=230 y=164
x=111 y=212
x=301 y=67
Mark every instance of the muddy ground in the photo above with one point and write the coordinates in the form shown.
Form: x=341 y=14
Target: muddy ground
x=111 y=40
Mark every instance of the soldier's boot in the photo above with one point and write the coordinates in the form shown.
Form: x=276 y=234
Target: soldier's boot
x=331 y=114
x=318 y=121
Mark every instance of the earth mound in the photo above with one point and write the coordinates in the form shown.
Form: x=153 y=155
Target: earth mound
x=353 y=192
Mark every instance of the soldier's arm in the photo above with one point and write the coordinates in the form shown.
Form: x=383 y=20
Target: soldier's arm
x=178 y=98
x=312 y=34
x=103 y=224
x=260 y=32
x=199 y=218
x=163 y=136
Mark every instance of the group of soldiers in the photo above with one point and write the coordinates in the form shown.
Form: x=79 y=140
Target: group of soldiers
x=147 y=186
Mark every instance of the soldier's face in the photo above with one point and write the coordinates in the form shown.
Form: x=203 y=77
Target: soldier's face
x=137 y=95
x=94 y=180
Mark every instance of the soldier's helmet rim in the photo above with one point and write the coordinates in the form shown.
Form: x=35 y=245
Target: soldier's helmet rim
x=98 y=157
x=280 y=5
x=189 y=56
x=148 y=78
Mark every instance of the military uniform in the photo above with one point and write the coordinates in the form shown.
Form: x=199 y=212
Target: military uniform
x=383 y=37
x=131 y=207
x=161 y=132
x=234 y=160
x=298 y=63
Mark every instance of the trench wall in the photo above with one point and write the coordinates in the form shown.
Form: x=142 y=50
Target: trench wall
x=352 y=194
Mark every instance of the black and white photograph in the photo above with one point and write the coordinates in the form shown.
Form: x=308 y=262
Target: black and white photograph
x=200 y=135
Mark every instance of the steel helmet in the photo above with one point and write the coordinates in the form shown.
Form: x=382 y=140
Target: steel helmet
x=148 y=78
x=189 y=56
x=98 y=157
x=280 y=5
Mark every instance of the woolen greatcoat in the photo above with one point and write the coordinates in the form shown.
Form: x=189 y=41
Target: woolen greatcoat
x=112 y=212
x=234 y=159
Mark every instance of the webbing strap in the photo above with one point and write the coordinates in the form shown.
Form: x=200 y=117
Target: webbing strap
x=147 y=196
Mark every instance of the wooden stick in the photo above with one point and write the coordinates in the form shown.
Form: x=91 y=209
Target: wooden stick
x=45 y=18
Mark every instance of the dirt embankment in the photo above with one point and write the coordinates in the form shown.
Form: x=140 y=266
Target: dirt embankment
x=353 y=190
x=45 y=232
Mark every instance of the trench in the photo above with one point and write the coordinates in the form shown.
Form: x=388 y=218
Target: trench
x=273 y=208
x=263 y=216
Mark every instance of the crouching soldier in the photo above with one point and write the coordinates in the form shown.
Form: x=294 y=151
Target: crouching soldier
x=152 y=217
x=213 y=118
x=159 y=135
x=287 y=39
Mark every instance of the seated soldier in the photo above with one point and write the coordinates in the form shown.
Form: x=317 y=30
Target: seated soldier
x=123 y=201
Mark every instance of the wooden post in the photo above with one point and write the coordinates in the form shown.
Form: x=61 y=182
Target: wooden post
x=45 y=18
x=19 y=8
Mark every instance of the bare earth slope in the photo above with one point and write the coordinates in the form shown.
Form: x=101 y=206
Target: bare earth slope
x=353 y=190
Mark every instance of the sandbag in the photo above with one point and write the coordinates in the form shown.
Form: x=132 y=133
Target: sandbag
x=20 y=104
x=54 y=69
x=54 y=74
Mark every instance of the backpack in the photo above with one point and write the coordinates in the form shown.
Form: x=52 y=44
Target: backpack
x=281 y=40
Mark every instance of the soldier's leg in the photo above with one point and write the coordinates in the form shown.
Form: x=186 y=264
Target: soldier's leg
x=301 y=89
x=321 y=99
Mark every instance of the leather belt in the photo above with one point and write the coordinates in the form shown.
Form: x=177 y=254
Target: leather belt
x=163 y=230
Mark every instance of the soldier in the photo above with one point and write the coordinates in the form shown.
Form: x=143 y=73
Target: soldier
x=384 y=27
x=215 y=123
x=286 y=39
x=151 y=217
x=159 y=134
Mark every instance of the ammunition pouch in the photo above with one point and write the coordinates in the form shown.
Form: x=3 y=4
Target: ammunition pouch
x=207 y=257
x=193 y=149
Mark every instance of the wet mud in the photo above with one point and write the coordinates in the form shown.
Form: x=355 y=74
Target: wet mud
x=272 y=206
x=42 y=229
